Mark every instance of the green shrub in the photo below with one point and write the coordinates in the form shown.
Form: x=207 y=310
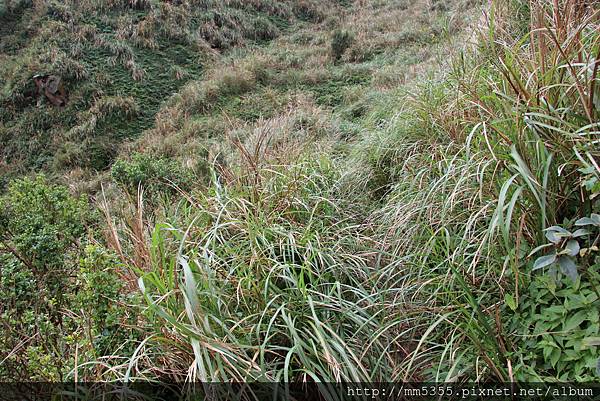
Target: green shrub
x=41 y=224
x=41 y=227
x=557 y=330
x=557 y=318
x=58 y=295
x=340 y=42
x=155 y=175
x=101 y=299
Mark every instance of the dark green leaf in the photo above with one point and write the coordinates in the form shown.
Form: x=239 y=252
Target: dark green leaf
x=555 y=356
x=574 y=321
x=568 y=267
x=580 y=233
x=572 y=248
x=544 y=261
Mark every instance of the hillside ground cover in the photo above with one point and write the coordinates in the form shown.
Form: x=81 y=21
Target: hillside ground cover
x=119 y=60
x=372 y=191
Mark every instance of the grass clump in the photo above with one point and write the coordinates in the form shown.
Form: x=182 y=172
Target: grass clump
x=340 y=42
x=250 y=278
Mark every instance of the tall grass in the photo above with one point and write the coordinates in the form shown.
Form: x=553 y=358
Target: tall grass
x=261 y=280
x=468 y=211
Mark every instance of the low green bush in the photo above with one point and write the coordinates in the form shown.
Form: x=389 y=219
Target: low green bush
x=340 y=42
x=154 y=175
x=557 y=318
x=557 y=329
x=58 y=295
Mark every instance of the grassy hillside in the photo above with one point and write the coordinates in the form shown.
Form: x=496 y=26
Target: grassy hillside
x=295 y=191
x=119 y=60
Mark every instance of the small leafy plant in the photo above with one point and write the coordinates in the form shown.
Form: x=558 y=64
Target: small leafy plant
x=565 y=317
x=567 y=247
x=559 y=327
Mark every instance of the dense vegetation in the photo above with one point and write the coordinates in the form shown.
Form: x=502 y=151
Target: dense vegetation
x=301 y=190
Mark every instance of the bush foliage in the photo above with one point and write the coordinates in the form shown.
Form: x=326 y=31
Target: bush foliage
x=59 y=294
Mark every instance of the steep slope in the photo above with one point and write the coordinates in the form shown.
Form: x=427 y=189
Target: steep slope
x=319 y=81
x=119 y=61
